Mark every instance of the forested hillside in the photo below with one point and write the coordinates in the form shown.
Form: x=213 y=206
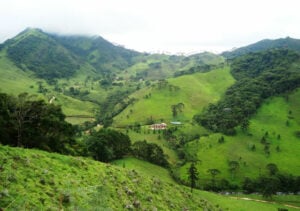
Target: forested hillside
x=267 y=44
x=35 y=51
x=259 y=76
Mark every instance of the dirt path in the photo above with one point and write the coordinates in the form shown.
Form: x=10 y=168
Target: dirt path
x=258 y=200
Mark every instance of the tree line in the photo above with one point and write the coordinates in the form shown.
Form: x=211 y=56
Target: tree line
x=32 y=123
x=271 y=183
x=259 y=76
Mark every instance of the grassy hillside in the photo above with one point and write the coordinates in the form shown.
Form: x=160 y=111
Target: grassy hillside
x=160 y=66
x=194 y=91
x=15 y=81
x=36 y=180
x=145 y=168
x=277 y=120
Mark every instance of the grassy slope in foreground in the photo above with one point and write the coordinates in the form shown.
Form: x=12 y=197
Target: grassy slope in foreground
x=36 y=180
x=272 y=119
x=32 y=179
x=195 y=92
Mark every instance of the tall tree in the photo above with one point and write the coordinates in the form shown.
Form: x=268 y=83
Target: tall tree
x=177 y=108
x=193 y=175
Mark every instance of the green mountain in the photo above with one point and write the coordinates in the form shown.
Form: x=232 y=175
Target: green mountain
x=267 y=44
x=36 y=51
x=77 y=69
x=104 y=56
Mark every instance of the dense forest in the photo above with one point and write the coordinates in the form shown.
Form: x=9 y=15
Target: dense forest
x=259 y=76
x=32 y=123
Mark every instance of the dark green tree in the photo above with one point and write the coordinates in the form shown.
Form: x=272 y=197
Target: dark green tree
x=268 y=185
x=33 y=123
x=150 y=152
x=245 y=124
x=248 y=186
x=177 y=108
x=106 y=145
x=272 y=168
x=193 y=175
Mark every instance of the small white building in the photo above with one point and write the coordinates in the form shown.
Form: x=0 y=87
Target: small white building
x=160 y=126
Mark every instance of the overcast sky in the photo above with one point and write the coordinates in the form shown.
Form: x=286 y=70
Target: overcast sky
x=174 y=26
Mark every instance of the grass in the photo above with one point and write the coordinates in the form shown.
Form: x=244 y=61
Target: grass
x=167 y=64
x=145 y=168
x=293 y=200
x=15 y=81
x=195 y=92
x=36 y=180
x=242 y=205
x=272 y=119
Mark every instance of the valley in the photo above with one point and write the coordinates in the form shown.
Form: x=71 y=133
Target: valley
x=234 y=116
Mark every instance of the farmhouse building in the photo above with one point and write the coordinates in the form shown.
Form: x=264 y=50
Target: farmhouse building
x=160 y=126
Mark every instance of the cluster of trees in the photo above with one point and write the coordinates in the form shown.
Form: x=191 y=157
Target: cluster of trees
x=31 y=123
x=269 y=185
x=43 y=56
x=259 y=76
x=106 y=145
x=150 y=152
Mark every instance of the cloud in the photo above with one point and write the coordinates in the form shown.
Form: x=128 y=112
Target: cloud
x=169 y=25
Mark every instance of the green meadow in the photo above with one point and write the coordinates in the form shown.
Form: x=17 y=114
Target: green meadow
x=195 y=92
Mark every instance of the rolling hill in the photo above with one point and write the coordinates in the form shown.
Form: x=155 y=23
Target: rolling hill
x=194 y=91
x=278 y=117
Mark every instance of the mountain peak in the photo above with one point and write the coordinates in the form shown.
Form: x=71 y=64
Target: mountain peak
x=266 y=44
